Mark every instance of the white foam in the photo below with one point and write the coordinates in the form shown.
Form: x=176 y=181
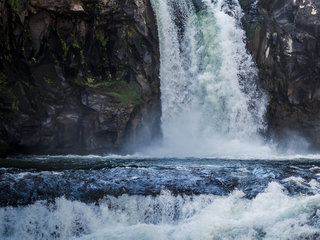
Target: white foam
x=272 y=214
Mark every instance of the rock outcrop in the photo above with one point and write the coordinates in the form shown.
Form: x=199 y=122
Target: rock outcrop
x=283 y=36
x=77 y=76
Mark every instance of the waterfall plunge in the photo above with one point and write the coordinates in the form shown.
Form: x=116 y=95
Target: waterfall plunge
x=211 y=105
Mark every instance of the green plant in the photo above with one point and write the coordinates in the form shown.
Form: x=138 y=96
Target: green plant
x=83 y=60
x=93 y=6
x=27 y=32
x=65 y=47
x=9 y=98
x=14 y=5
x=75 y=44
x=145 y=46
x=48 y=81
x=3 y=78
x=90 y=80
x=15 y=105
x=103 y=40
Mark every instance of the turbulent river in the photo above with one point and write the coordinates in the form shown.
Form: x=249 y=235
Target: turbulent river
x=135 y=197
x=212 y=176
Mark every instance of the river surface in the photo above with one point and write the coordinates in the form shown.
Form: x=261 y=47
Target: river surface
x=135 y=197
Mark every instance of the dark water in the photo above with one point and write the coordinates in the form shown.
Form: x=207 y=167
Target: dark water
x=25 y=180
x=67 y=197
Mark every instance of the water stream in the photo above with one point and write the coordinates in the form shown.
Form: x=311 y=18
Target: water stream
x=211 y=103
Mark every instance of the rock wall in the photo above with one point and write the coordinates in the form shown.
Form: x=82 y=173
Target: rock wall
x=283 y=36
x=78 y=76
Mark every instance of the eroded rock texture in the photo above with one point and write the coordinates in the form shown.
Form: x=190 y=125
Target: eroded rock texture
x=77 y=76
x=284 y=36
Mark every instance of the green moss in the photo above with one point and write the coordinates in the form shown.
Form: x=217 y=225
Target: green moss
x=8 y=57
x=27 y=32
x=83 y=60
x=102 y=39
x=65 y=47
x=129 y=45
x=48 y=81
x=126 y=93
x=32 y=61
x=130 y=31
x=144 y=46
x=3 y=79
x=93 y=6
x=9 y=98
x=65 y=50
x=90 y=80
x=122 y=91
x=122 y=72
x=14 y=5
x=75 y=44
x=15 y=105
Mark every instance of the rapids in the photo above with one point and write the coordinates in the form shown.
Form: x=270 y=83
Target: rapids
x=135 y=197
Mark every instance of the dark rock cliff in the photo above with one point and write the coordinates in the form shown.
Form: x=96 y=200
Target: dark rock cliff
x=77 y=76
x=283 y=36
x=81 y=76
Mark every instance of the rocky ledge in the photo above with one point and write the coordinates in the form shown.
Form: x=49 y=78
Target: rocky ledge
x=283 y=36
x=77 y=76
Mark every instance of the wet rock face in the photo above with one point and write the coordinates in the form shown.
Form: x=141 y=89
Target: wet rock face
x=284 y=36
x=78 y=76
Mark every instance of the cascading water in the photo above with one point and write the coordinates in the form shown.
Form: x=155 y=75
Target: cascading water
x=211 y=108
x=208 y=81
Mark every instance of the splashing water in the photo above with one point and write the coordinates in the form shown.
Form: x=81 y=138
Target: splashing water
x=93 y=197
x=271 y=215
x=210 y=100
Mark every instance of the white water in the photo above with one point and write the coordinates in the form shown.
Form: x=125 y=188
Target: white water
x=211 y=105
x=271 y=215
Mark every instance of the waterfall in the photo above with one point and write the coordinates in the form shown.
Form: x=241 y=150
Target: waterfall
x=210 y=99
